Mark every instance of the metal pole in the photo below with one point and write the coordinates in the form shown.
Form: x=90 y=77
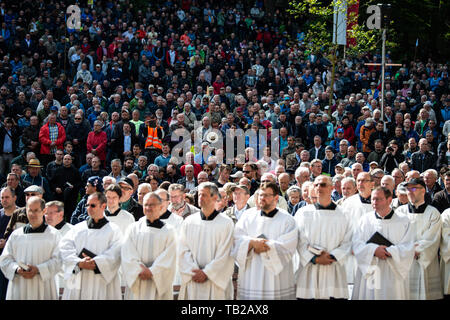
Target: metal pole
x=383 y=62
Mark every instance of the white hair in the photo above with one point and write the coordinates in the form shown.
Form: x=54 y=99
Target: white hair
x=301 y=170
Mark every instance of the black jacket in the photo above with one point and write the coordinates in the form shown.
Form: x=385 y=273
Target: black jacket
x=422 y=162
x=441 y=200
x=15 y=135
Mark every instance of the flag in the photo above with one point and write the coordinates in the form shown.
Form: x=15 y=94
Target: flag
x=352 y=10
x=417 y=42
x=340 y=23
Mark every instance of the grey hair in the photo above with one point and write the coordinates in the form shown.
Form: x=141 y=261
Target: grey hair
x=337 y=178
x=212 y=187
x=300 y=170
x=144 y=185
x=349 y=179
x=152 y=195
x=293 y=189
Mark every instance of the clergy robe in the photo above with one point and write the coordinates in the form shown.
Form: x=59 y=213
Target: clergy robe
x=354 y=207
x=424 y=276
x=445 y=251
x=36 y=248
x=122 y=218
x=268 y=275
x=206 y=244
x=153 y=245
x=378 y=279
x=175 y=221
x=63 y=228
x=328 y=229
x=104 y=240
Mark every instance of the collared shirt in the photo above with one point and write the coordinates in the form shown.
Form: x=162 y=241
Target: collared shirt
x=238 y=213
x=210 y=217
x=96 y=225
x=60 y=225
x=389 y=216
x=419 y=209
x=53 y=135
x=165 y=215
x=155 y=224
x=190 y=184
x=127 y=143
x=112 y=214
x=270 y=214
x=331 y=206
x=365 y=200
x=29 y=229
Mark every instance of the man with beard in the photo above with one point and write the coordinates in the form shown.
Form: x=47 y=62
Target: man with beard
x=178 y=204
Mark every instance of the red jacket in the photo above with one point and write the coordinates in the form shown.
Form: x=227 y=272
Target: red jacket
x=98 y=142
x=44 y=138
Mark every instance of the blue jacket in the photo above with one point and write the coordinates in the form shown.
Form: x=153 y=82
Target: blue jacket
x=329 y=165
x=80 y=214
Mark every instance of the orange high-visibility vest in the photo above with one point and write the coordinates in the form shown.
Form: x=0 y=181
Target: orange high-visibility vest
x=152 y=139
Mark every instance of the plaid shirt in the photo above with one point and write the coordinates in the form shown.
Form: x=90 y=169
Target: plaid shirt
x=53 y=130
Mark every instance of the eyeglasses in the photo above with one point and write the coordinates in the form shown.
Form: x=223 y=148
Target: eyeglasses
x=91 y=205
x=265 y=181
x=246 y=171
x=322 y=184
x=266 y=195
x=366 y=180
x=413 y=189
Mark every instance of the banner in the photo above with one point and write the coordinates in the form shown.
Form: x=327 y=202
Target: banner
x=352 y=9
x=340 y=22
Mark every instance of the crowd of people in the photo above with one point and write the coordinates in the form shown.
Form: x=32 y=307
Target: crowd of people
x=91 y=123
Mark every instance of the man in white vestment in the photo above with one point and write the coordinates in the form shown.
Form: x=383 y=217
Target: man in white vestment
x=384 y=250
x=445 y=252
x=264 y=243
x=54 y=216
x=355 y=207
x=114 y=213
x=30 y=259
x=167 y=216
x=149 y=254
x=325 y=242
x=206 y=239
x=424 y=276
x=90 y=253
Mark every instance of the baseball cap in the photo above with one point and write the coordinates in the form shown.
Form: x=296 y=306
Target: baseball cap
x=127 y=181
x=96 y=181
x=401 y=188
x=329 y=148
x=339 y=165
x=316 y=103
x=340 y=130
x=416 y=181
x=240 y=187
x=53 y=108
x=238 y=174
x=373 y=163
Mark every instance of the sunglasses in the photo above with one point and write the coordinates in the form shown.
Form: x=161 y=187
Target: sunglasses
x=91 y=205
x=246 y=171
x=413 y=189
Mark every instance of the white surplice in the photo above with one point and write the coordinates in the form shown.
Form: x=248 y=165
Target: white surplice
x=425 y=278
x=268 y=275
x=354 y=209
x=156 y=249
x=86 y=285
x=445 y=251
x=60 y=276
x=331 y=231
x=175 y=221
x=378 y=279
x=38 y=249
x=206 y=245
x=123 y=220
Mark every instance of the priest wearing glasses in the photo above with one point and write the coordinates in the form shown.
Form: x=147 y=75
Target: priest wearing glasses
x=424 y=276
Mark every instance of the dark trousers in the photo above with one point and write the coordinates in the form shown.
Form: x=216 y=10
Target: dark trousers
x=3 y=286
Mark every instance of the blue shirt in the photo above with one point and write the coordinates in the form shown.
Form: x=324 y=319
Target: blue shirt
x=162 y=161
x=127 y=143
x=7 y=143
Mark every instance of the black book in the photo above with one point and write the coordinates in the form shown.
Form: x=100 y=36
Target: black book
x=89 y=254
x=379 y=239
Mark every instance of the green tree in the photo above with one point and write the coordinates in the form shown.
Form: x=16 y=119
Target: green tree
x=319 y=31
